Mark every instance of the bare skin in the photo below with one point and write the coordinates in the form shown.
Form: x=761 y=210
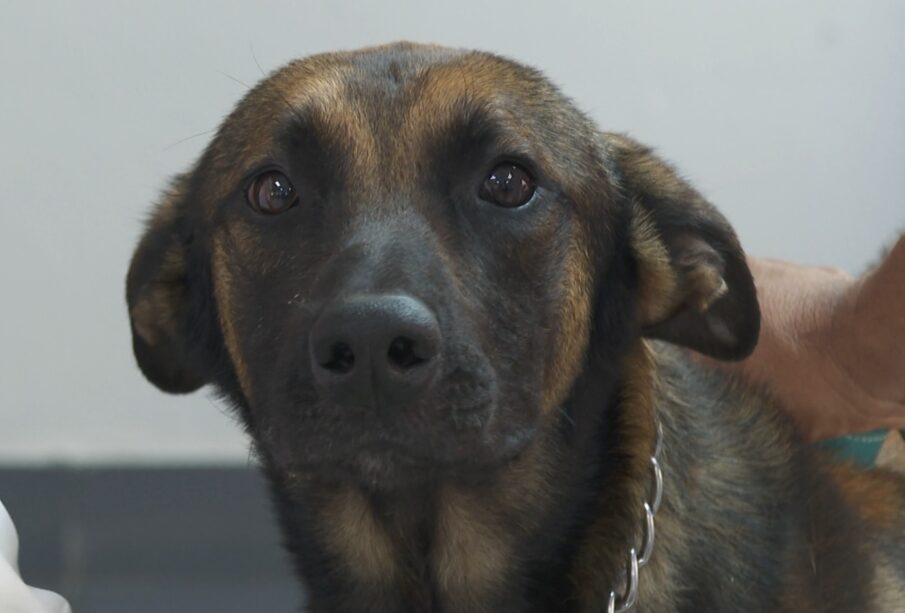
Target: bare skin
x=832 y=347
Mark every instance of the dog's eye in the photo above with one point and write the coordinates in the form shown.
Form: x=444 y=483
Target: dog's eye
x=508 y=185
x=272 y=193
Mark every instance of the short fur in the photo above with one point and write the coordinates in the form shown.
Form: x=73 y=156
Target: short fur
x=518 y=484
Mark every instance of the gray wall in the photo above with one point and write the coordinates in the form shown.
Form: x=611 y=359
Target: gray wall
x=789 y=115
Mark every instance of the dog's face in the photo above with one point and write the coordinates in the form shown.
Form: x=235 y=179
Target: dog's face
x=396 y=262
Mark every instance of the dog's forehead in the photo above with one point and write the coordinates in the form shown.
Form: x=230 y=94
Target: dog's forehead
x=379 y=99
x=398 y=78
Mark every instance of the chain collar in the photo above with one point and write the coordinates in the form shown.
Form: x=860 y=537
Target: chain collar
x=624 y=602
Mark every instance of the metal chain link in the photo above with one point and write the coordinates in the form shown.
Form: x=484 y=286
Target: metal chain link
x=621 y=604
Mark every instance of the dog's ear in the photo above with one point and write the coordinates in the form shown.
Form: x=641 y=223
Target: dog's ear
x=694 y=285
x=157 y=295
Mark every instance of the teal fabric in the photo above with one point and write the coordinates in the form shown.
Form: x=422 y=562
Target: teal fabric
x=860 y=449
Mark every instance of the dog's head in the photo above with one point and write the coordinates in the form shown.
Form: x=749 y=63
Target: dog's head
x=397 y=262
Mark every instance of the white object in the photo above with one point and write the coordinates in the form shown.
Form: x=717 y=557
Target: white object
x=15 y=596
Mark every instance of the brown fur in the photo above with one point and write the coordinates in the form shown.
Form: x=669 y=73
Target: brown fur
x=223 y=294
x=658 y=289
x=353 y=533
x=603 y=546
x=876 y=496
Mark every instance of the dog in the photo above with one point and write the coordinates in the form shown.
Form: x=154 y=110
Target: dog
x=454 y=317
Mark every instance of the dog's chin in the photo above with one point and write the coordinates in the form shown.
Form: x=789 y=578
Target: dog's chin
x=399 y=467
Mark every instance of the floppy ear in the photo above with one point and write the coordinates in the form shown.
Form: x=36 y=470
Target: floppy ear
x=157 y=295
x=694 y=286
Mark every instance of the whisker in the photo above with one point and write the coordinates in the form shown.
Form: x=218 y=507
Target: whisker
x=567 y=416
x=255 y=58
x=188 y=138
x=232 y=78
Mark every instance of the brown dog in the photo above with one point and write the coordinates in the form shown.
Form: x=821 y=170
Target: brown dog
x=437 y=296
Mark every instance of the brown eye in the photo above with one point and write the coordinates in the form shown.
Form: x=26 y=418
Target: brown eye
x=271 y=193
x=508 y=185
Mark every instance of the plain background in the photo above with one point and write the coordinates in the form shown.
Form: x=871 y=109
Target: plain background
x=789 y=115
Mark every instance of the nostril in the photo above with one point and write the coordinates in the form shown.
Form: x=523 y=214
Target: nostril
x=341 y=359
x=402 y=353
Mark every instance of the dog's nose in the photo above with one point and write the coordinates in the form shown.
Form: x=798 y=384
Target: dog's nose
x=375 y=350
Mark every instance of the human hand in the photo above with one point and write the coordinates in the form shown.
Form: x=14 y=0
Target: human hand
x=832 y=348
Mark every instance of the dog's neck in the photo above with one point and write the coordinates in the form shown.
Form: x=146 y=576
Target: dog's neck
x=508 y=544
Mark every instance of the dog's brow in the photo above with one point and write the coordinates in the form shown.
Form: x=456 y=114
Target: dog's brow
x=318 y=125
x=479 y=129
x=308 y=126
x=500 y=125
